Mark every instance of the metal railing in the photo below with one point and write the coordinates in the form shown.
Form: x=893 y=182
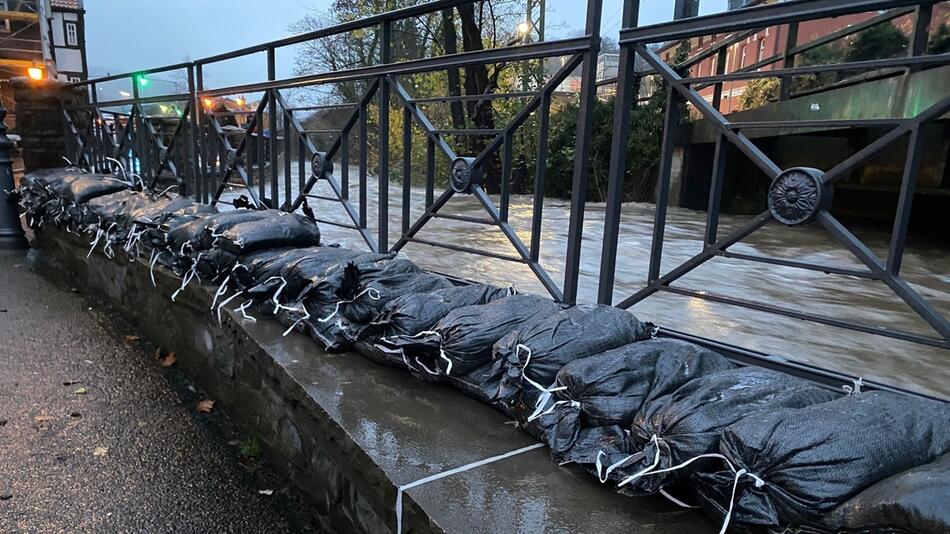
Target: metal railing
x=797 y=196
x=249 y=160
x=205 y=156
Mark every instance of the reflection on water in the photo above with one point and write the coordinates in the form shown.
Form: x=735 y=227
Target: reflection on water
x=926 y=268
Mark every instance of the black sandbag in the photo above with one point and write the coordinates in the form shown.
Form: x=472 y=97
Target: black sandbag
x=407 y=315
x=265 y=266
x=801 y=464
x=688 y=423
x=608 y=389
x=89 y=186
x=915 y=501
x=531 y=356
x=280 y=230
x=309 y=269
x=201 y=236
x=462 y=341
x=381 y=282
x=104 y=210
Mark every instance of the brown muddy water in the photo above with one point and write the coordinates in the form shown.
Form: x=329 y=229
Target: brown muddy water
x=926 y=267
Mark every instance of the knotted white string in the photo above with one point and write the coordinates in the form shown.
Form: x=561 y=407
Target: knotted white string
x=372 y=292
x=854 y=388
x=306 y=315
x=546 y=392
x=735 y=483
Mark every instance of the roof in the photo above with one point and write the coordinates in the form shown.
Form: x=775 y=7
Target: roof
x=66 y=4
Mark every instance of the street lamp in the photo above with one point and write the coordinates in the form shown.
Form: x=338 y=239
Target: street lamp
x=11 y=233
x=523 y=29
x=35 y=73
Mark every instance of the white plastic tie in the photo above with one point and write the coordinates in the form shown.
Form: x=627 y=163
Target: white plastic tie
x=603 y=474
x=468 y=467
x=306 y=315
x=373 y=293
x=242 y=309
x=151 y=265
x=656 y=461
x=854 y=388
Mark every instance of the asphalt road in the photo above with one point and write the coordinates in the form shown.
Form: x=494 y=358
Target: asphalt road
x=97 y=436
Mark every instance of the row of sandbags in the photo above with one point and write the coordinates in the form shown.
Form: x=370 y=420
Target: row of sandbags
x=754 y=448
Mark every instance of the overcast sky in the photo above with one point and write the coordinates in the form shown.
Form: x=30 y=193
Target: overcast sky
x=126 y=35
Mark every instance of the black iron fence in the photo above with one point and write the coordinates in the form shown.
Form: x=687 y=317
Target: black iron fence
x=275 y=162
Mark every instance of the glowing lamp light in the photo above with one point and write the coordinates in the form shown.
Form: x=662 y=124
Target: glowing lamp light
x=35 y=73
x=142 y=80
x=239 y=101
x=524 y=28
x=208 y=102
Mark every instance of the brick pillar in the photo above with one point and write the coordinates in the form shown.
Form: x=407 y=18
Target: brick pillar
x=40 y=122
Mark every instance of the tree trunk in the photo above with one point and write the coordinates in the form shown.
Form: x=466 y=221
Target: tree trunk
x=450 y=37
x=477 y=82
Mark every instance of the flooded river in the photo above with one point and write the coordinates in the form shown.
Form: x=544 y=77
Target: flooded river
x=926 y=267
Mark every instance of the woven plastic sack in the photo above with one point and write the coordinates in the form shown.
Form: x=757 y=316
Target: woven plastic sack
x=407 y=315
x=789 y=467
x=531 y=356
x=608 y=389
x=280 y=230
x=688 y=423
x=381 y=282
x=462 y=341
x=914 y=501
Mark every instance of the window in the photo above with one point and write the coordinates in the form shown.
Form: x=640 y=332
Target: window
x=72 y=35
x=742 y=60
x=75 y=79
x=762 y=51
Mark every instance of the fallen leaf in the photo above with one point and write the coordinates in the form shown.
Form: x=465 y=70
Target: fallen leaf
x=43 y=418
x=266 y=492
x=131 y=338
x=81 y=391
x=168 y=360
x=205 y=406
x=100 y=451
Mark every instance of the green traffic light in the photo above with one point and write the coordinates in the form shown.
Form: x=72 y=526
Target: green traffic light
x=143 y=81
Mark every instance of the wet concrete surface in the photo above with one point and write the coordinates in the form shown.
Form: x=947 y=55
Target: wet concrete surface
x=359 y=429
x=95 y=436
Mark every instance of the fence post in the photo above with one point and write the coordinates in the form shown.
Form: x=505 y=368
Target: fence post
x=385 y=56
x=628 y=93
x=585 y=124
x=11 y=233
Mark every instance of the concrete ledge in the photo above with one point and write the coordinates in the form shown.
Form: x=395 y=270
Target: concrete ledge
x=347 y=431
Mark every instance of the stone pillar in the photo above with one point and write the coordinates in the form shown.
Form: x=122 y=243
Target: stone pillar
x=40 y=122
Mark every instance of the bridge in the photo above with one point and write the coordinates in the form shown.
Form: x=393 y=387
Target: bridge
x=393 y=169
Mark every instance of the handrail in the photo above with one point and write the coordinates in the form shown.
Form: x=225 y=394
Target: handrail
x=755 y=17
x=373 y=20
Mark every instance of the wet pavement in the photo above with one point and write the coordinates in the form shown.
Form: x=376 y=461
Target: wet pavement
x=96 y=436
